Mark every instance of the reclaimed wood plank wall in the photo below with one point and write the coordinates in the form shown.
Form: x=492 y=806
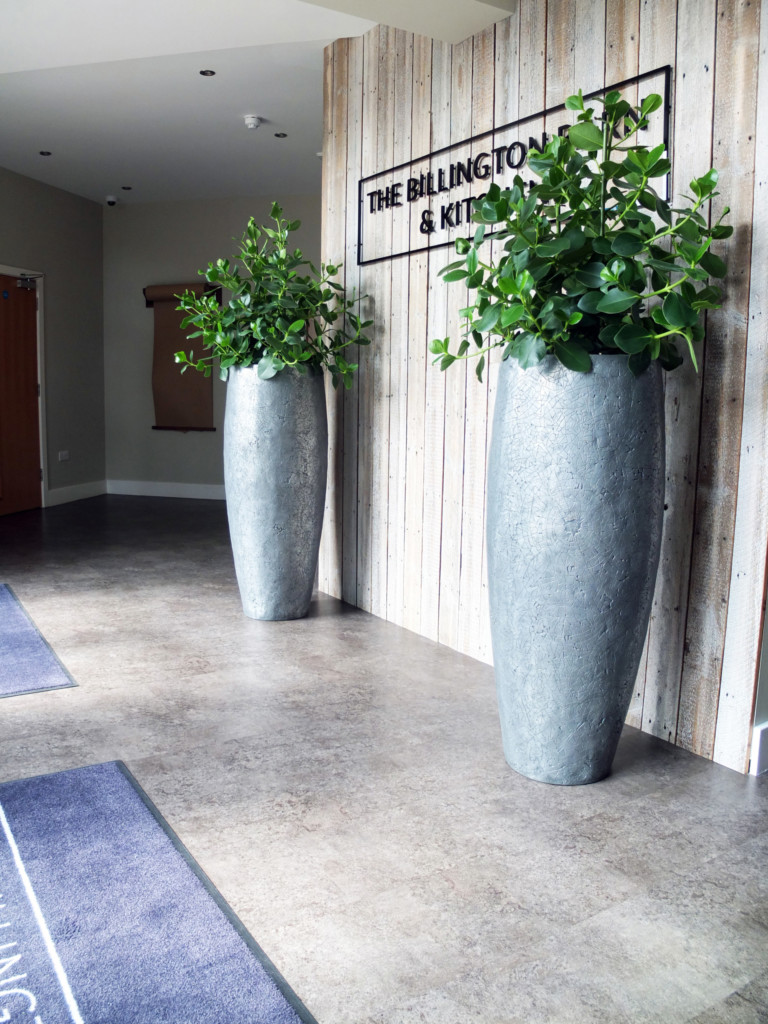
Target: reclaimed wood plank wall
x=404 y=533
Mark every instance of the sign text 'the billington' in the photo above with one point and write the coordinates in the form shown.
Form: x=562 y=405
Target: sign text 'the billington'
x=497 y=162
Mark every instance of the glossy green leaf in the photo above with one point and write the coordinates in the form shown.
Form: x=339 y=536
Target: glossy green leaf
x=529 y=349
x=633 y=338
x=573 y=357
x=586 y=136
x=589 y=301
x=511 y=315
x=616 y=301
x=713 y=265
x=489 y=319
x=677 y=312
x=626 y=243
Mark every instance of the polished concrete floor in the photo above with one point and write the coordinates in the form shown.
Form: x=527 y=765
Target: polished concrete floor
x=341 y=781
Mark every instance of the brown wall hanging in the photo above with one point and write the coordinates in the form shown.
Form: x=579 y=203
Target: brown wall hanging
x=182 y=401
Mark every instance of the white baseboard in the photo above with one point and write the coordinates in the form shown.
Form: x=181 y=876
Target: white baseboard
x=758 y=759
x=62 y=495
x=156 y=489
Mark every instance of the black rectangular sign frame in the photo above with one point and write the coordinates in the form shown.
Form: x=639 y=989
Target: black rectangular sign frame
x=666 y=70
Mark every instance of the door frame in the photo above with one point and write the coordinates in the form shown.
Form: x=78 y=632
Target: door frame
x=40 y=290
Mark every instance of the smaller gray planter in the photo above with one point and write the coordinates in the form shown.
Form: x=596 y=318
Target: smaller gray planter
x=275 y=467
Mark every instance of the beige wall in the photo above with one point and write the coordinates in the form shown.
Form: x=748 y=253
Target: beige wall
x=404 y=534
x=48 y=230
x=166 y=243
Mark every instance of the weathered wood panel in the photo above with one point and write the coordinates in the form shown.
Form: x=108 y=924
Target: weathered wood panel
x=658 y=680
x=333 y=242
x=694 y=90
x=370 y=288
x=418 y=280
x=437 y=326
x=455 y=389
x=472 y=612
x=406 y=538
x=351 y=399
x=744 y=377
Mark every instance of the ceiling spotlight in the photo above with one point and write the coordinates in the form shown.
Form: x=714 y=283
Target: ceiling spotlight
x=281 y=135
x=45 y=152
x=126 y=188
x=252 y=121
x=208 y=73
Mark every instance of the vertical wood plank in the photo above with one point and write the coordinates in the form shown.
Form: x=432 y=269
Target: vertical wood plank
x=418 y=355
x=332 y=248
x=534 y=21
x=455 y=386
x=365 y=474
x=741 y=656
x=382 y=362
x=658 y=703
x=736 y=81
x=622 y=41
x=692 y=156
x=471 y=612
x=399 y=270
x=330 y=55
x=361 y=355
x=575 y=34
x=434 y=417
x=519 y=86
x=622 y=58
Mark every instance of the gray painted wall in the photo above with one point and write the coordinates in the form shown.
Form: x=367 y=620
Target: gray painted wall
x=167 y=243
x=60 y=234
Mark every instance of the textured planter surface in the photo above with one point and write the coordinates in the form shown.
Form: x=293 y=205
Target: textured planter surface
x=575 y=509
x=275 y=466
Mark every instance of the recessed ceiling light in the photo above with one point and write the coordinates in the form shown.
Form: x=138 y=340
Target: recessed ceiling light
x=207 y=73
x=126 y=188
x=281 y=135
x=45 y=152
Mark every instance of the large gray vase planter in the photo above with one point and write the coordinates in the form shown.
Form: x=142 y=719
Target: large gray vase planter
x=275 y=467
x=575 y=509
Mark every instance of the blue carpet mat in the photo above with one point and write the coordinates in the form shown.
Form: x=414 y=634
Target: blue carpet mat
x=106 y=919
x=27 y=663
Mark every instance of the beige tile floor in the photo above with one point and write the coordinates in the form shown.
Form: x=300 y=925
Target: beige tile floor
x=341 y=781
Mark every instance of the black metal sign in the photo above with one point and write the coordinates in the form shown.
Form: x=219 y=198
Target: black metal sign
x=427 y=203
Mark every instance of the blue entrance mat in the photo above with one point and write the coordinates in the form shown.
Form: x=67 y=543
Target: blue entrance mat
x=106 y=919
x=27 y=663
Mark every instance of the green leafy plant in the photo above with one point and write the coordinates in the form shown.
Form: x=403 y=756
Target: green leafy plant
x=592 y=259
x=278 y=315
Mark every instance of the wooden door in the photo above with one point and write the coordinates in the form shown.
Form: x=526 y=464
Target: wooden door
x=19 y=423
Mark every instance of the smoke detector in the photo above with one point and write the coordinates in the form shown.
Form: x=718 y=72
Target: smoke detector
x=252 y=121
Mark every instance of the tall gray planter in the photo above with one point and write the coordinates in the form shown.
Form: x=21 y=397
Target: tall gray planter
x=275 y=467
x=575 y=508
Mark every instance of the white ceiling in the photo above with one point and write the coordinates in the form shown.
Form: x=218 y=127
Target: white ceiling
x=113 y=90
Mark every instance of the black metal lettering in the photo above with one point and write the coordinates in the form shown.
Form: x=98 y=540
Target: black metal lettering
x=463 y=171
x=499 y=152
x=441 y=186
x=533 y=144
x=396 y=196
x=514 y=162
x=481 y=166
x=412 y=190
x=431 y=190
x=372 y=197
x=427 y=223
x=446 y=214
